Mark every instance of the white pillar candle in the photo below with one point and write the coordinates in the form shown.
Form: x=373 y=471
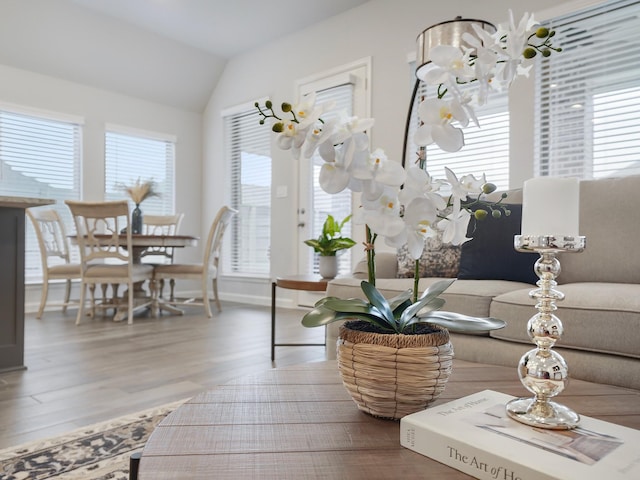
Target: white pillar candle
x=550 y=206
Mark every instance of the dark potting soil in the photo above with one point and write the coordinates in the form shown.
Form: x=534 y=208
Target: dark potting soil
x=417 y=329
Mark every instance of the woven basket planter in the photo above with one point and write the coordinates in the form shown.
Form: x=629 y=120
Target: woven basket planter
x=393 y=375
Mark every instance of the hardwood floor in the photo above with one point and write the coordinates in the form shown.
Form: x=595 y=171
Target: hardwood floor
x=99 y=370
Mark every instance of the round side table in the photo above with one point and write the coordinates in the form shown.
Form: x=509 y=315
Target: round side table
x=308 y=283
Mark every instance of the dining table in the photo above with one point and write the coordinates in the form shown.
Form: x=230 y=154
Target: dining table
x=140 y=243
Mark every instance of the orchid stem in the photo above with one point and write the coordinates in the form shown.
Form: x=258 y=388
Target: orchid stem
x=416 y=280
x=371 y=256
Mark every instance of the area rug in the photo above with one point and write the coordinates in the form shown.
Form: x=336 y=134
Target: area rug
x=97 y=452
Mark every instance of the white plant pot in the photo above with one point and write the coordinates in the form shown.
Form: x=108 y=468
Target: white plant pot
x=328 y=266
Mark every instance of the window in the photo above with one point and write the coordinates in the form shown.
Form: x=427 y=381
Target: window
x=130 y=156
x=486 y=148
x=248 y=155
x=588 y=96
x=39 y=157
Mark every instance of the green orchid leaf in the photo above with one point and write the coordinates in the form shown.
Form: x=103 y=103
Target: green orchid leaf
x=378 y=301
x=437 y=288
x=325 y=300
x=400 y=299
x=459 y=323
x=350 y=306
x=413 y=310
x=434 y=304
x=398 y=310
x=319 y=316
x=323 y=316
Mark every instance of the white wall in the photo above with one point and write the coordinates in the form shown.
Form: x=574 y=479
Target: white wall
x=385 y=31
x=99 y=107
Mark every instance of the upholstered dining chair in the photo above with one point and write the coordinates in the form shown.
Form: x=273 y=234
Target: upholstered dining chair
x=207 y=270
x=54 y=254
x=106 y=258
x=161 y=225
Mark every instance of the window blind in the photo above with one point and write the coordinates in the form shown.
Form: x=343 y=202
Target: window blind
x=129 y=157
x=338 y=205
x=486 y=148
x=247 y=154
x=39 y=157
x=588 y=96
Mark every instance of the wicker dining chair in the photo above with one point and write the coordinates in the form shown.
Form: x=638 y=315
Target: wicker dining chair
x=206 y=271
x=54 y=254
x=105 y=258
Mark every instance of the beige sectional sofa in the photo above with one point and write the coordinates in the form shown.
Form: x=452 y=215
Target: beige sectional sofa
x=601 y=309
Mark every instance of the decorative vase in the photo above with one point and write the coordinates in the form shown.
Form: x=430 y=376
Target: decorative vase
x=136 y=219
x=328 y=266
x=392 y=375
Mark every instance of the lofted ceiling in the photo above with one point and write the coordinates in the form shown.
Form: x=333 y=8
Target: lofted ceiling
x=166 y=51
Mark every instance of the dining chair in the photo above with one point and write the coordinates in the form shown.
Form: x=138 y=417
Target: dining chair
x=161 y=225
x=207 y=270
x=107 y=257
x=54 y=254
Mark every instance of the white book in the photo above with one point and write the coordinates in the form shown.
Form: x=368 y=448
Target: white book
x=475 y=435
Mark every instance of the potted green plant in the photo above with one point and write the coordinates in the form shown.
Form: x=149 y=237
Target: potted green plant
x=329 y=243
x=392 y=338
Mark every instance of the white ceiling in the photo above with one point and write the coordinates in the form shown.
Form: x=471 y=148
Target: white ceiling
x=166 y=51
x=221 y=27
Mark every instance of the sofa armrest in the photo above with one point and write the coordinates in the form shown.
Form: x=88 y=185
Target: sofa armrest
x=386 y=266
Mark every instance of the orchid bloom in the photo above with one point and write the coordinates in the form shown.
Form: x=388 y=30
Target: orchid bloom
x=468 y=184
x=437 y=116
x=349 y=126
x=454 y=226
x=487 y=47
x=306 y=111
x=420 y=216
x=516 y=41
x=335 y=173
x=292 y=137
x=383 y=214
x=451 y=66
x=420 y=184
x=316 y=136
x=375 y=171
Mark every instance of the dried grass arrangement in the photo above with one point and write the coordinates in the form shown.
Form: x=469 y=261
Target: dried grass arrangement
x=140 y=191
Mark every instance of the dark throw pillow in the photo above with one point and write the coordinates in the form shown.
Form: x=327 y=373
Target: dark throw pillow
x=490 y=254
x=437 y=260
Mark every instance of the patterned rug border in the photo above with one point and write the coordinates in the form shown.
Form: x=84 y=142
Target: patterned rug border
x=108 y=443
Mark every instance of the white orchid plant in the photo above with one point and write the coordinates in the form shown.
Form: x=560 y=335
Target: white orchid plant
x=493 y=63
x=405 y=207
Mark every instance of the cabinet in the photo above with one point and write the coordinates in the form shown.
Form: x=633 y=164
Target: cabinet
x=12 y=237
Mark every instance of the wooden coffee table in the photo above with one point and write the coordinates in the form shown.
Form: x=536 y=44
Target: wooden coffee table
x=300 y=423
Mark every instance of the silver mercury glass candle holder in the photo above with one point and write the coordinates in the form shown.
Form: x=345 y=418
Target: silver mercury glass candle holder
x=542 y=370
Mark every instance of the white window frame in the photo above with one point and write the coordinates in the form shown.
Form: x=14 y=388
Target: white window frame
x=47 y=159
x=250 y=215
x=586 y=130
x=155 y=161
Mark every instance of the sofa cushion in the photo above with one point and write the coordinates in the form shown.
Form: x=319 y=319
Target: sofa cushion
x=597 y=317
x=583 y=365
x=609 y=221
x=490 y=254
x=438 y=260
